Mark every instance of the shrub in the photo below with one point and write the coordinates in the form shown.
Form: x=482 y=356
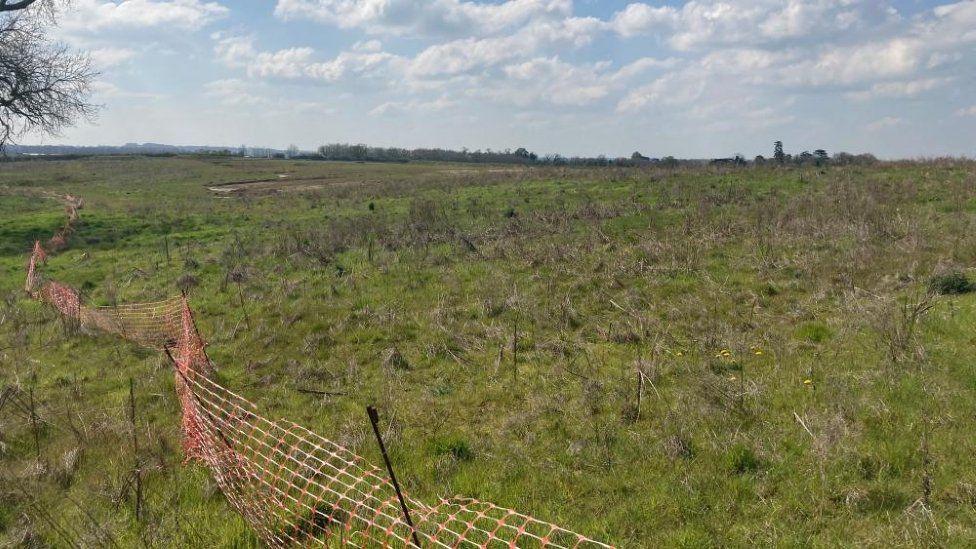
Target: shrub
x=950 y=283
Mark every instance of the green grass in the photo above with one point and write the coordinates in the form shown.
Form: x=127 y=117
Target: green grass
x=363 y=285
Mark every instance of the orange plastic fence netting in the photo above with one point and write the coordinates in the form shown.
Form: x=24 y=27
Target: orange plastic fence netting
x=71 y=206
x=150 y=324
x=292 y=486
x=297 y=488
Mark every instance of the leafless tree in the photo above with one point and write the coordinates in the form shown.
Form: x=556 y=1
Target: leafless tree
x=44 y=86
x=6 y=5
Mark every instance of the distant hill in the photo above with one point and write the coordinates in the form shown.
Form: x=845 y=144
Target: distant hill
x=132 y=148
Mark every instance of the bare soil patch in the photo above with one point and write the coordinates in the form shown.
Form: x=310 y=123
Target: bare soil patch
x=282 y=183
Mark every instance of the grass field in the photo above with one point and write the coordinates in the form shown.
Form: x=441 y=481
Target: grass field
x=802 y=383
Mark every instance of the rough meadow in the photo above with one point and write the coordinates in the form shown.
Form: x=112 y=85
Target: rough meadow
x=689 y=357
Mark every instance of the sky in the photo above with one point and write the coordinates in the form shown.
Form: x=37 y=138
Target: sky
x=697 y=79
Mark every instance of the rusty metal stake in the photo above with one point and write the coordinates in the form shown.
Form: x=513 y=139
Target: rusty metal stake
x=137 y=466
x=374 y=419
x=33 y=421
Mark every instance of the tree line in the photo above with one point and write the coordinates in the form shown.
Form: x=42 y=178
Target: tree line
x=361 y=152
x=521 y=155
x=818 y=157
x=365 y=153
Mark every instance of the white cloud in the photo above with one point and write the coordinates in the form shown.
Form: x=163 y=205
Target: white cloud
x=107 y=90
x=701 y=23
x=727 y=77
x=309 y=107
x=676 y=88
x=260 y=99
x=111 y=56
x=895 y=57
x=745 y=47
x=643 y=65
x=551 y=80
x=639 y=18
x=425 y=17
x=368 y=45
x=477 y=53
x=907 y=88
x=961 y=13
x=884 y=123
x=299 y=62
x=967 y=111
x=728 y=70
x=95 y=15
x=744 y=62
x=393 y=108
x=233 y=92
x=234 y=51
x=939 y=59
x=702 y=65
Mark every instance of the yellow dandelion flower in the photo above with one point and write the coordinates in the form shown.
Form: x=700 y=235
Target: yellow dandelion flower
x=808 y=382
x=758 y=352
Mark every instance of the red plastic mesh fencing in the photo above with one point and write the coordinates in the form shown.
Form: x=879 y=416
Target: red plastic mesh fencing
x=155 y=325
x=37 y=257
x=295 y=487
x=71 y=206
x=38 y=252
x=63 y=298
x=190 y=360
x=292 y=486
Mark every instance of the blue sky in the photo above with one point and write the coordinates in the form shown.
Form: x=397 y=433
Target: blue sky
x=695 y=79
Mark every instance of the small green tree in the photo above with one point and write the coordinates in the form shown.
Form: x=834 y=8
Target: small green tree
x=778 y=154
x=821 y=156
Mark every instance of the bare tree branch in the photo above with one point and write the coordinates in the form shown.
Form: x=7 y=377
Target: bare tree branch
x=44 y=86
x=5 y=5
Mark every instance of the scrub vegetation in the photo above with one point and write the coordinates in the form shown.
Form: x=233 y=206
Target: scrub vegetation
x=696 y=356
